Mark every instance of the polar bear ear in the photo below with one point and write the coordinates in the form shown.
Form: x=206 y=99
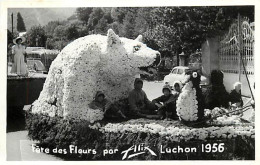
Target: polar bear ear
x=139 y=38
x=112 y=38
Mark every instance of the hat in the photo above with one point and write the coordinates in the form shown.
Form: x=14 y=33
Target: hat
x=138 y=80
x=21 y=37
x=177 y=82
x=166 y=86
x=99 y=93
x=237 y=84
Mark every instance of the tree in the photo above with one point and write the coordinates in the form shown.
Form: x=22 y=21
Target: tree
x=50 y=43
x=60 y=32
x=50 y=27
x=115 y=26
x=9 y=45
x=118 y=13
x=9 y=37
x=36 y=36
x=94 y=17
x=72 y=32
x=83 y=14
x=186 y=28
x=20 y=24
x=128 y=28
x=107 y=15
x=142 y=20
x=102 y=26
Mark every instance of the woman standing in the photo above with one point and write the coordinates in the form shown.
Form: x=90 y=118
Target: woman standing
x=19 y=66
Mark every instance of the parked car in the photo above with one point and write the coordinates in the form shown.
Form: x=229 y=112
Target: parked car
x=35 y=65
x=178 y=74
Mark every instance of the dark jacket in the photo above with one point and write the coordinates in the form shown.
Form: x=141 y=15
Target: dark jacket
x=166 y=99
x=235 y=97
x=138 y=100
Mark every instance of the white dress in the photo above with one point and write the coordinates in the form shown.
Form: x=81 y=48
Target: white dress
x=19 y=66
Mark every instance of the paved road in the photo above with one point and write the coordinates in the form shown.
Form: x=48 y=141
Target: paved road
x=19 y=147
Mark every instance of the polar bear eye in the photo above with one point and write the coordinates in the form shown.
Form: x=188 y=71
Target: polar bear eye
x=136 y=48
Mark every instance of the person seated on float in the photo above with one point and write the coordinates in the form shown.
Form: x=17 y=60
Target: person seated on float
x=215 y=95
x=139 y=104
x=235 y=97
x=103 y=104
x=167 y=109
x=177 y=86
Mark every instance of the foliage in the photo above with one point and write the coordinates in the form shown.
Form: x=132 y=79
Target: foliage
x=36 y=36
x=52 y=43
x=171 y=30
x=10 y=37
x=60 y=32
x=142 y=20
x=94 y=17
x=20 y=23
x=186 y=28
x=128 y=29
x=50 y=27
x=72 y=32
x=83 y=14
x=102 y=26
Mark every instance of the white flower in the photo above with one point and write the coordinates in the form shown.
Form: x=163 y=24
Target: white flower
x=187 y=107
x=175 y=134
x=87 y=65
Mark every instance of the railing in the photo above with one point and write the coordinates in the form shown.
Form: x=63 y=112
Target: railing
x=239 y=41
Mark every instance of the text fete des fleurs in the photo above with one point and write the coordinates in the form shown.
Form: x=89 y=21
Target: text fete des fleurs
x=72 y=150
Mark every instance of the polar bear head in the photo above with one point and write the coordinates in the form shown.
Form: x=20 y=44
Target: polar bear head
x=90 y=64
x=132 y=55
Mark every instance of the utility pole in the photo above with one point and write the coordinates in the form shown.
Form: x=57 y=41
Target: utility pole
x=12 y=20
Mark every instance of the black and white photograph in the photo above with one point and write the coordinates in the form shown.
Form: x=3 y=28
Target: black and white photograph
x=130 y=83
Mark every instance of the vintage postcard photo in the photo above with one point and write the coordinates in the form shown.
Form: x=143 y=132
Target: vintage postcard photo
x=121 y=83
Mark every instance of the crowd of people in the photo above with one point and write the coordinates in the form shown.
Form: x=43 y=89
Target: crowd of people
x=163 y=107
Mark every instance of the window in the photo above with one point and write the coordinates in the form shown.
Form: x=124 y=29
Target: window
x=174 y=71
x=180 y=71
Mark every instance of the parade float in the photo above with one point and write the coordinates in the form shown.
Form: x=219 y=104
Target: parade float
x=60 y=118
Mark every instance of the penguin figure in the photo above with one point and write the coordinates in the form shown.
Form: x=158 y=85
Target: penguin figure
x=190 y=101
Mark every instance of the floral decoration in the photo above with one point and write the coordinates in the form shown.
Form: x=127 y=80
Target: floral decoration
x=87 y=65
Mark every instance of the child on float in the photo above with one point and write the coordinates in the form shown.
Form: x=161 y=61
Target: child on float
x=167 y=109
x=103 y=104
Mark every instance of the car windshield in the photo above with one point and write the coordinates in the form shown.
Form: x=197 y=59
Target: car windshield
x=180 y=71
x=36 y=65
x=174 y=71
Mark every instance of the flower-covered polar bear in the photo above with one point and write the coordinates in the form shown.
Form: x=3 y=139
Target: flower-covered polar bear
x=189 y=103
x=90 y=64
